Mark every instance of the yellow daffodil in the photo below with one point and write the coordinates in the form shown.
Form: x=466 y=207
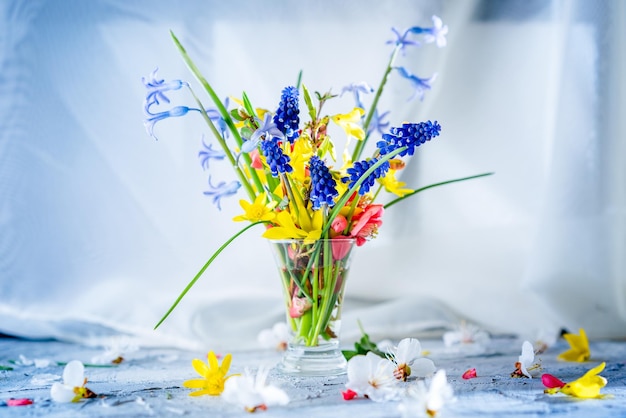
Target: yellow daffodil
x=309 y=230
x=213 y=375
x=257 y=211
x=393 y=185
x=579 y=347
x=588 y=386
x=350 y=122
x=300 y=155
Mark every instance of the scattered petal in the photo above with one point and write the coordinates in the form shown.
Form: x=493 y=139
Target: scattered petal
x=19 y=402
x=348 y=394
x=551 y=381
x=579 y=348
x=470 y=374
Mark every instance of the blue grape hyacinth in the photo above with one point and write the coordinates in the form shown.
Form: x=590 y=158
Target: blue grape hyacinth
x=275 y=158
x=410 y=135
x=287 y=117
x=323 y=185
x=359 y=168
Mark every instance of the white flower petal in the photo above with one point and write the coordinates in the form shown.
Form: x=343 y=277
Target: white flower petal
x=439 y=391
x=408 y=350
x=273 y=395
x=62 y=393
x=423 y=367
x=74 y=374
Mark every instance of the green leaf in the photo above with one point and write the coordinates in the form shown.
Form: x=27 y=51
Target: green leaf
x=248 y=105
x=363 y=346
x=6 y=368
x=393 y=202
x=206 y=265
x=309 y=103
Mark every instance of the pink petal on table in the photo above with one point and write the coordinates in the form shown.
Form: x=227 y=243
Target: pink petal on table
x=551 y=382
x=19 y=402
x=470 y=374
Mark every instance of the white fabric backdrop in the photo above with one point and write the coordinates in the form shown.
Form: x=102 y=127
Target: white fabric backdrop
x=101 y=226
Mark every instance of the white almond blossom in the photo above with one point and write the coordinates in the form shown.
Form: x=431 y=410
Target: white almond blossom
x=372 y=376
x=252 y=391
x=467 y=338
x=427 y=401
x=115 y=351
x=524 y=366
x=73 y=387
x=407 y=358
x=275 y=337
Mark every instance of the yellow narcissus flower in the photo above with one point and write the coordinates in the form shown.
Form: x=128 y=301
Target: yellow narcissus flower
x=393 y=185
x=213 y=375
x=310 y=228
x=257 y=211
x=579 y=347
x=300 y=155
x=586 y=387
x=350 y=122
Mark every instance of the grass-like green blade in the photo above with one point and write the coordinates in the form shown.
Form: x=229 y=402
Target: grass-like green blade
x=206 y=265
x=430 y=186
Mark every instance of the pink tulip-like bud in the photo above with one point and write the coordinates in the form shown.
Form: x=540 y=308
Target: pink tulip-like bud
x=299 y=306
x=470 y=374
x=551 y=382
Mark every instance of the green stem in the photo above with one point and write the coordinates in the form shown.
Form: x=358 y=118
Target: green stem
x=206 y=265
x=220 y=107
x=393 y=202
x=368 y=119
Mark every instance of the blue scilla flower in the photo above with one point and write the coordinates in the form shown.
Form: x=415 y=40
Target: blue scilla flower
x=287 y=117
x=222 y=189
x=172 y=113
x=207 y=153
x=420 y=85
x=323 y=185
x=275 y=158
x=409 y=135
x=359 y=168
x=156 y=90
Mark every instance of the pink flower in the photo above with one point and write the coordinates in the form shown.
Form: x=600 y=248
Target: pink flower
x=298 y=306
x=367 y=223
x=551 y=382
x=338 y=224
x=470 y=374
x=256 y=159
x=341 y=247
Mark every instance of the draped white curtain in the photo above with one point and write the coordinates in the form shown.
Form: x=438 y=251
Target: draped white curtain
x=101 y=227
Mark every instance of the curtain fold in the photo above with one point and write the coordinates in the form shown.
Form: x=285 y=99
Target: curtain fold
x=101 y=226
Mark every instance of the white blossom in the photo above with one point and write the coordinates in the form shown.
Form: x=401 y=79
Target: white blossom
x=372 y=376
x=252 y=391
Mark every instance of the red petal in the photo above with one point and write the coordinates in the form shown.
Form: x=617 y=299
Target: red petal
x=470 y=374
x=19 y=402
x=349 y=394
x=550 y=381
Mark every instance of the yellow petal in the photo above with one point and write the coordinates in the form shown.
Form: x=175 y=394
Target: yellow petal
x=200 y=367
x=226 y=364
x=213 y=364
x=195 y=383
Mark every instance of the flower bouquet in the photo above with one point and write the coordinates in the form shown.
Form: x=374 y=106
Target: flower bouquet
x=313 y=209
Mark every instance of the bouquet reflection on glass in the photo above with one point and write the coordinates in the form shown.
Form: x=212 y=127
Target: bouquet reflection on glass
x=314 y=210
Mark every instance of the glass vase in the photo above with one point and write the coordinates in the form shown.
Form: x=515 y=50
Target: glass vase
x=313 y=276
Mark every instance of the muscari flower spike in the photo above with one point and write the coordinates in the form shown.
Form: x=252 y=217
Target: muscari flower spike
x=359 y=168
x=275 y=158
x=323 y=186
x=287 y=117
x=410 y=135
